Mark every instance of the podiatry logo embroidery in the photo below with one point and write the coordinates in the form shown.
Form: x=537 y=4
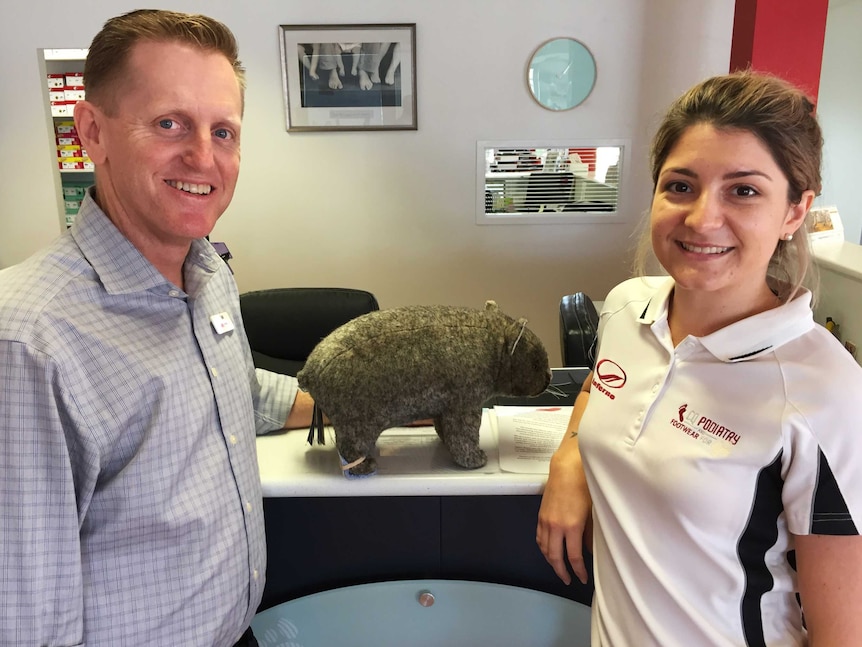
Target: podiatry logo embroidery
x=610 y=375
x=702 y=427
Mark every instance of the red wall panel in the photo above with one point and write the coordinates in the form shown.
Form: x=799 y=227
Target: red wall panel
x=783 y=37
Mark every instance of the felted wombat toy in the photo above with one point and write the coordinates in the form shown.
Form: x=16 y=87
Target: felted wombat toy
x=391 y=367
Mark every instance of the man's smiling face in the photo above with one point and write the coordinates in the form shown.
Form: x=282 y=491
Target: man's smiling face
x=169 y=144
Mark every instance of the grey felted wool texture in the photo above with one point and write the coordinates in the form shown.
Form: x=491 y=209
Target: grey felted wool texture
x=392 y=367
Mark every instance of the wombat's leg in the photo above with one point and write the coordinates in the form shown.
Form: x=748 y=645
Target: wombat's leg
x=354 y=442
x=459 y=431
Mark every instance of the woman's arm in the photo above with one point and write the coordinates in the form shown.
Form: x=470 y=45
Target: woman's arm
x=564 y=516
x=830 y=587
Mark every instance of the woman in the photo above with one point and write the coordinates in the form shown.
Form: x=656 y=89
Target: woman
x=718 y=429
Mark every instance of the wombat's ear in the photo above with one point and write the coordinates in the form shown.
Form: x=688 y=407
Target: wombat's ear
x=520 y=327
x=491 y=305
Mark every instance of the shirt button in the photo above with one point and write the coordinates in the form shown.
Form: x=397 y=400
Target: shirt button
x=173 y=293
x=255 y=574
x=214 y=371
x=232 y=439
x=248 y=505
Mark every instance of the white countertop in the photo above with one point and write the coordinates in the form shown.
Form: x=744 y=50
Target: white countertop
x=839 y=256
x=411 y=462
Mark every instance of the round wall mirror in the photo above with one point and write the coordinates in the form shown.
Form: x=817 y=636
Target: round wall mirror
x=561 y=74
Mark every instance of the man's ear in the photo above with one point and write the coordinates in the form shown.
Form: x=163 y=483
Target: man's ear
x=89 y=122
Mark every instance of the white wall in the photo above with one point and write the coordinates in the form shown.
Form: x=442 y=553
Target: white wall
x=838 y=104
x=840 y=286
x=393 y=212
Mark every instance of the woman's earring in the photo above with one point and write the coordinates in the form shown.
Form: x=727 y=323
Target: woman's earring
x=788 y=237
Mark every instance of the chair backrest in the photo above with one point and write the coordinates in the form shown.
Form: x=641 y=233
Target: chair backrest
x=546 y=190
x=284 y=325
x=579 y=323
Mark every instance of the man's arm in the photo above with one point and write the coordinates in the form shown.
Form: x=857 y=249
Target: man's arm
x=303 y=407
x=41 y=583
x=274 y=397
x=301 y=412
x=279 y=402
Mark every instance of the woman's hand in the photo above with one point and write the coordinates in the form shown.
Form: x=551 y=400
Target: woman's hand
x=565 y=522
x=565 y=527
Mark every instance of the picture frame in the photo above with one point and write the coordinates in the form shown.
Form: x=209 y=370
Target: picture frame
x=349 y=77
x=824 y=224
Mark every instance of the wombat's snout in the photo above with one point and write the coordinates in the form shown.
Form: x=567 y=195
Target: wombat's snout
x=535 y=385
x=545 y=383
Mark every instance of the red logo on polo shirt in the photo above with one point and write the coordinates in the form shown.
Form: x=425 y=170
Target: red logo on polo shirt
x=703 y=427
x=611 y=374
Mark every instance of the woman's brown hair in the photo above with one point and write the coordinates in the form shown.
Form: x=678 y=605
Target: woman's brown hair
x=782 y=117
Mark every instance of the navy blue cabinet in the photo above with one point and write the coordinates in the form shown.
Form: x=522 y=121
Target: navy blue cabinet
x=320 y=543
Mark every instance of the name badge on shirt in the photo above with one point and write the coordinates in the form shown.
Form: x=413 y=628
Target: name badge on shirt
x=221 y=323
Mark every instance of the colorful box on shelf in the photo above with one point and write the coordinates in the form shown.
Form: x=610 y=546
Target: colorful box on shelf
x=69 y=151
x=68 y=140
x=74 y=191
x=65 y=128
x=56 y=81
x=74 y=79
x=74 y=94
x=63 y=108
x=86 y=161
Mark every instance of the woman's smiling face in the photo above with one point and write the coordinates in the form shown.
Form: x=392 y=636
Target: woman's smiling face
x=719 y=209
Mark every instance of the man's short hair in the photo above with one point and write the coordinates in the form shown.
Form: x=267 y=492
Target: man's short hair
x=109 y=52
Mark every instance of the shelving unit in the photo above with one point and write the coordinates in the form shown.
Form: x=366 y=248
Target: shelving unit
x=62 y=87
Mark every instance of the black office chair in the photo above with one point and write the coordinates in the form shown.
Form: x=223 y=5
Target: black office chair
x=284 y=325
x=579 y=323
x=548 y=190
x=589 y=206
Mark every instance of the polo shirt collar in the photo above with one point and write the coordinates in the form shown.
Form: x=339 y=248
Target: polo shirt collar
x=750 y=337
x=656 y=307
x=763 y=332
x=121 y=268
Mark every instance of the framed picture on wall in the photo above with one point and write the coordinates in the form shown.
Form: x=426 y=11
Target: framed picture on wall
x=349 y=77
x=824 y=223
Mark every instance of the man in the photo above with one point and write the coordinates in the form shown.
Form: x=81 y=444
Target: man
x=130 y=502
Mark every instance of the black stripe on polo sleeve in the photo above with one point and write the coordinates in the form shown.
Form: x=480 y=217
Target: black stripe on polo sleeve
x=829 y=514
